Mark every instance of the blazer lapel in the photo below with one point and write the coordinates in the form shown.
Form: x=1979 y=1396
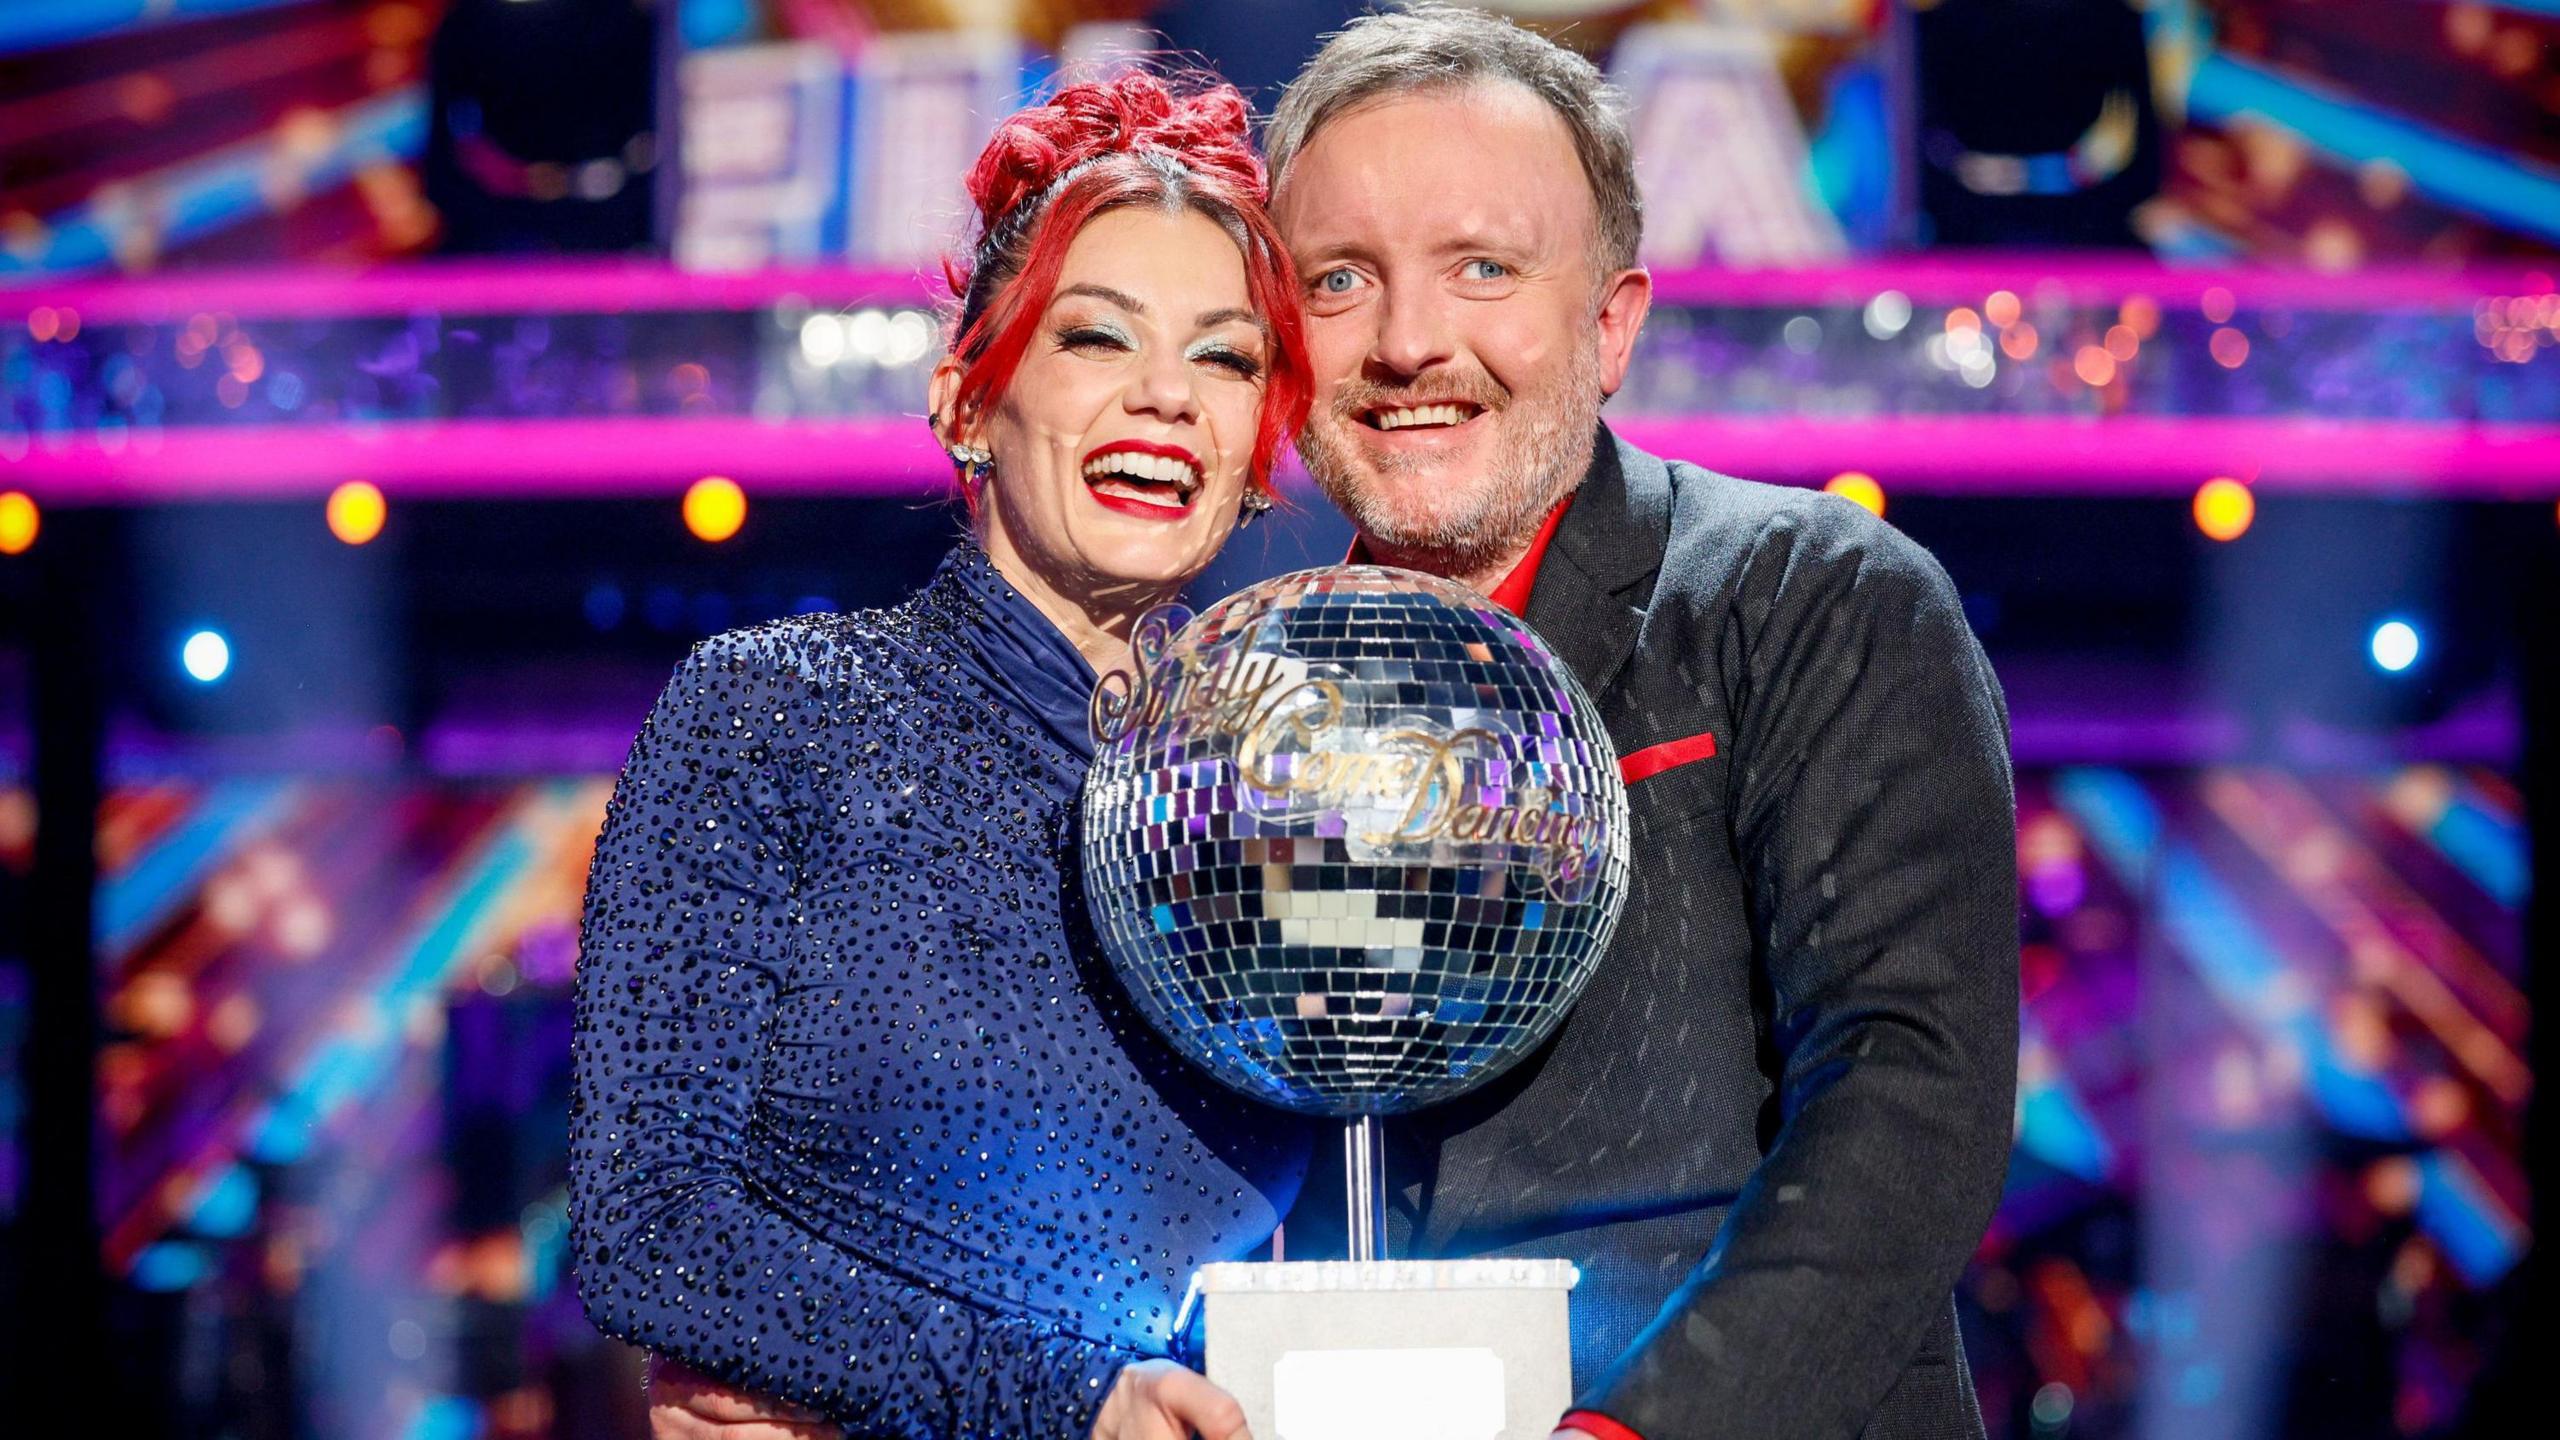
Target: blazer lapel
x=1589 y=606
x=1591 y=593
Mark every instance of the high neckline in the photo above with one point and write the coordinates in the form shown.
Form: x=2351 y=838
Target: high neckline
x=1018 y=652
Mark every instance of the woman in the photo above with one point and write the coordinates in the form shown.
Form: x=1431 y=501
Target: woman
x=859 y=1125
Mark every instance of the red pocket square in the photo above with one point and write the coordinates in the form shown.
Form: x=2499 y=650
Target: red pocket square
x=1652 y=760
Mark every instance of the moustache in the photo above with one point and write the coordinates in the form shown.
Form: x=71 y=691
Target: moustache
x=1357 y=397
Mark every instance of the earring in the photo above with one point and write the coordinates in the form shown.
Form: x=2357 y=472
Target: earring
x=967 y=457
x=1255 y=503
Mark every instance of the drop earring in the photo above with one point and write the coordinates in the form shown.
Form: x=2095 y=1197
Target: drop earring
x=1255 y=503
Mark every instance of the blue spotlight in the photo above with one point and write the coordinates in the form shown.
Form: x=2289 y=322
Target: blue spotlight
x=663 y=607
x=2395 y=645
x=206 y=655
x=605 y=605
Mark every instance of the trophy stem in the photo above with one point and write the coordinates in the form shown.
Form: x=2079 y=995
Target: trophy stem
x=1364 y=1165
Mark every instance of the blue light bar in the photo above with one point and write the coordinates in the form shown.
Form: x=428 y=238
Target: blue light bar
x=2512 y=191
x=215 y=192
x=36 y=24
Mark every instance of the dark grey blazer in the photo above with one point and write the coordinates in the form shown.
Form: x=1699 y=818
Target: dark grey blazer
x=1776 y=1125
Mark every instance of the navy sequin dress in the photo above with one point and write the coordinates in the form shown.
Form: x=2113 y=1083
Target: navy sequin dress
x=860 y=1121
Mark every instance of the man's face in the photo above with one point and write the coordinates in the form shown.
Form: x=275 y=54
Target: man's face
x=1462 y=336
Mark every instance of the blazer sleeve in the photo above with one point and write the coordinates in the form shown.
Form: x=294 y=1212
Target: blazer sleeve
x=1874 y=820
x=687 y=935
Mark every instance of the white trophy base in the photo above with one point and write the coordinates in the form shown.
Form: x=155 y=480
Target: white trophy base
x=1417 y=1349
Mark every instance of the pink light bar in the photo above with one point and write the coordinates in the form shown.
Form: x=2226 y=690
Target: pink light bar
x=1966 y=278
x=607 y=286
x=493 y=459
x=2124 y=455
x=2002 y=455
x=466 y=287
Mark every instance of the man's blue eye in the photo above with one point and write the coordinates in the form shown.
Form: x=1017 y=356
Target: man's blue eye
x=1336 y=282
x=1486 y=270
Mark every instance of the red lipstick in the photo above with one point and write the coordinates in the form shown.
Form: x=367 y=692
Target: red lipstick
x=1127 y=505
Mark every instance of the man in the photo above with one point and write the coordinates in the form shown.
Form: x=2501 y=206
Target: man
x=1775 y=1125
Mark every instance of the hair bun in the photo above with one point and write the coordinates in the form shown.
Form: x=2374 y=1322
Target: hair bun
x=1208 y=129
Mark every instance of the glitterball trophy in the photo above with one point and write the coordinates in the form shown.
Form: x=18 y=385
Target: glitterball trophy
x=1355 y=839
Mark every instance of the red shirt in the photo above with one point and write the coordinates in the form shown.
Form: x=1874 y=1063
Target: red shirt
x=1513 y=593
x=1596 y=1425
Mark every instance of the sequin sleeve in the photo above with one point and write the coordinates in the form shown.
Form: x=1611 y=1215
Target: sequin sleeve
x=692 y=911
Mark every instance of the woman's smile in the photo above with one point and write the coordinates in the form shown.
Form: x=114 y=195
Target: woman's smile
x=1148 y=479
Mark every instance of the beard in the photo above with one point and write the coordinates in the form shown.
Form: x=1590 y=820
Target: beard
x=1463 y=524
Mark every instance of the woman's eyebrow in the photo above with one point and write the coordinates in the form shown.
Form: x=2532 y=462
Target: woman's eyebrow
x=1121 y=298
x=1209 y=318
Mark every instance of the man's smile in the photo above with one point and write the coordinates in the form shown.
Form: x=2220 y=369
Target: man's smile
x=1443 y=415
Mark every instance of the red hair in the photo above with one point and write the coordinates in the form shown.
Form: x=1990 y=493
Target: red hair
x=1133 y=140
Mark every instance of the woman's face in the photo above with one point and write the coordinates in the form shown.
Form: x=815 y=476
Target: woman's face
x=1122 y=443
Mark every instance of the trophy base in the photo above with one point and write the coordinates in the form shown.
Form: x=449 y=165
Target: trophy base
x=1417 y=1349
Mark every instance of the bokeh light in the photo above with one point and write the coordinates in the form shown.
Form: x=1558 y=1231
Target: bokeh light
x=714 y=508
x=1862 y=488
x=2230 y=348
x=2224 y=508
x=2395 y=645
x=1887 y=314
x=19 y=522
x=206 y=656
x=822 y=339
x=356 y=511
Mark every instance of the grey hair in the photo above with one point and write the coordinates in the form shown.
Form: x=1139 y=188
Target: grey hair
x=1432 y=46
